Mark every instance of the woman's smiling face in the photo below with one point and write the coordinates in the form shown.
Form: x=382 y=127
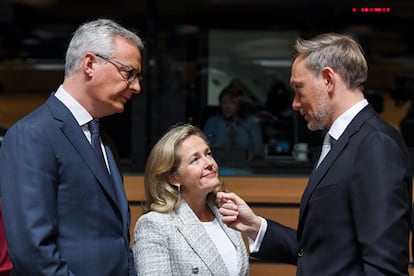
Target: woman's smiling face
x=198 y=171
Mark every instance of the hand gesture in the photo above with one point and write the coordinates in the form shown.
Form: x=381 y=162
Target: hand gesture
x=238 y=215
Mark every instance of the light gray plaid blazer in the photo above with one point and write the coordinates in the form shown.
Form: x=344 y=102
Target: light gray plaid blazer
x=178 y=244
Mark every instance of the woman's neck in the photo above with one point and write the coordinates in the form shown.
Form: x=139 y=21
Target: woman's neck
x=202 y=210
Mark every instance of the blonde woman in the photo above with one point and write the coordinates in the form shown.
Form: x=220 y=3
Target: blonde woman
x=182 y=232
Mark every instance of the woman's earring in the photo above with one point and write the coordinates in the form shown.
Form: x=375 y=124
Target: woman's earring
x=179 y=188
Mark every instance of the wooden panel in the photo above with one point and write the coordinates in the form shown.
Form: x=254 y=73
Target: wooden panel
x=251 y=189
x=267 y=189
x=134 y=187
x=14 y=106
x=285 y=215
x=260 y=269
x=286 y=190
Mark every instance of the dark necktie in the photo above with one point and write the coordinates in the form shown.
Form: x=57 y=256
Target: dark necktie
x=96 y=141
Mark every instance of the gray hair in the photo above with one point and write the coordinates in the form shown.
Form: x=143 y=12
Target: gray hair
x=96 y=36
x=340 y=52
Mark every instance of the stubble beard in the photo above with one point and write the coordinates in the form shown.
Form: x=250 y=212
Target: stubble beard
x=320 y=117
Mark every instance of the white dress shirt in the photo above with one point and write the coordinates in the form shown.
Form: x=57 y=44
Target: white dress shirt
x=81 y=115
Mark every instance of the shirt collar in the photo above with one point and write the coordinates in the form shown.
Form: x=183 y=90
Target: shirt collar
x=341 y=123
x=79 y=112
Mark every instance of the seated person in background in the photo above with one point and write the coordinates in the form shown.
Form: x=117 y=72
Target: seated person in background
x=276 y=118
x=182 y=232
x=236 y=127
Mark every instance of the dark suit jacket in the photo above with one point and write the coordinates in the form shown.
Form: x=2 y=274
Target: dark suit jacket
x=355 y=211
x=63 y=214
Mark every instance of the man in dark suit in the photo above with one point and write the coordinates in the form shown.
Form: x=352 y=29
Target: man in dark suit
x=65 y=210
x=355 y=211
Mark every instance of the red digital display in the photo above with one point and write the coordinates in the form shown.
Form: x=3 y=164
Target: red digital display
x=371 y=10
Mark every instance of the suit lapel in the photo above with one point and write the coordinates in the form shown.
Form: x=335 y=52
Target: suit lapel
x=318 y=174
x=76 y=137
x=197 y=237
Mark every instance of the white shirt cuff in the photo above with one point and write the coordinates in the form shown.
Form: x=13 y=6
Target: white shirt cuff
x=254 y=245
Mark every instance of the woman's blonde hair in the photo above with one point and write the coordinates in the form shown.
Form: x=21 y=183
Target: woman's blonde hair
x=163 y=161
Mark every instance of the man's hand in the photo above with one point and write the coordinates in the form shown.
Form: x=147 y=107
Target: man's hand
x=238 y=215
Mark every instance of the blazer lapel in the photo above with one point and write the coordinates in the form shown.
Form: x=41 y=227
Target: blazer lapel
x=197 y=237
x=233 y=236
x=318 y=174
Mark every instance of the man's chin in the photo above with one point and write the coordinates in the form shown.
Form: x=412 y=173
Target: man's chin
x=119 y=106
x=312 y=127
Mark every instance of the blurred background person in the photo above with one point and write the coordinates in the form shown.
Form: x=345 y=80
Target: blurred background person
x=276 y=117
x=182 y=232
x=236 y=126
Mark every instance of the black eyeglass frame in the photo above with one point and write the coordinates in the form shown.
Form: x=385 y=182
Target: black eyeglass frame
x=132 y=73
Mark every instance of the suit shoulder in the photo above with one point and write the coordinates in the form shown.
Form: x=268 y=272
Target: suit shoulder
x=378 y=127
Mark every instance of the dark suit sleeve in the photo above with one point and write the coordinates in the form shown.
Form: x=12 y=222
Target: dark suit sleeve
x=381 y=202
x=279 y=244
x=28 y=186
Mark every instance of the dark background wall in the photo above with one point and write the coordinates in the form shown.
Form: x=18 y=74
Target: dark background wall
x=34 y=35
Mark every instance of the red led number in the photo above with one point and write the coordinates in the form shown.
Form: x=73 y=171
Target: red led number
x=371 y=10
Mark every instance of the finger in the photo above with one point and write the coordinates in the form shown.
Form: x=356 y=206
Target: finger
x=229 y=205
x=229 y=219
x=220 y=199
x=228 y=211
x=232 y=197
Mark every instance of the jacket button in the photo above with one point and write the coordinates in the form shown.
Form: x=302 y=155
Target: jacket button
x=300 y=253
x=194 y=270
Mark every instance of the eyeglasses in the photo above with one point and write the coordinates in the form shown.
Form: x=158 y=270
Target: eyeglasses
x=128 y=73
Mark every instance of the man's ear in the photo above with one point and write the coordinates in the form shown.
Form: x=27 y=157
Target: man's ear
x=88 y=62
x=328 y=76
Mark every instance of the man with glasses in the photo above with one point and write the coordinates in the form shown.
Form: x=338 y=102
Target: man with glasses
x=65 y=210
x=129 y=73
